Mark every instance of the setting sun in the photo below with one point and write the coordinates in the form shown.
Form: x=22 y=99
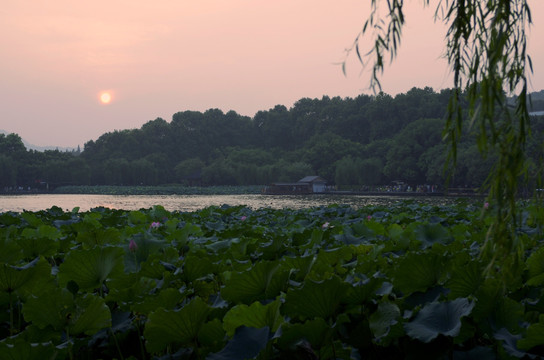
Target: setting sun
x=105 y=98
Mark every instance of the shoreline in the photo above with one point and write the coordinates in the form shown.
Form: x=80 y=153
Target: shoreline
x=232 y=191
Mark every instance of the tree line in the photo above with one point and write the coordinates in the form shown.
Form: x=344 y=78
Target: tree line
x=351 y=142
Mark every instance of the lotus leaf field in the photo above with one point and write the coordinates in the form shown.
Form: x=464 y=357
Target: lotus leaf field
x=402 y=281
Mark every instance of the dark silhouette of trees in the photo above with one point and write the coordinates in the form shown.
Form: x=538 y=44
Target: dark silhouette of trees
x=354 y=142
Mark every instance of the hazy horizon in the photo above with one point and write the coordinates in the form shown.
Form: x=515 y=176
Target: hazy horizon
x=155 y=59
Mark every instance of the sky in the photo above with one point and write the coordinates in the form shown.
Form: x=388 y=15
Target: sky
x=156 y=58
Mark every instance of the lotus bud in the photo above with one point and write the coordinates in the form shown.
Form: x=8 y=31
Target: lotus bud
x=132 y=246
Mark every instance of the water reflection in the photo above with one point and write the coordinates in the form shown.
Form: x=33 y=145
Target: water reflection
x=19 y=203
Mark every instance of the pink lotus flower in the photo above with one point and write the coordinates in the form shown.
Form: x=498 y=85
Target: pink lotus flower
x=486 y=205
x=325 y=225
x=243 y=218
x=369 y=217
x=155 y=225
x=132 y=246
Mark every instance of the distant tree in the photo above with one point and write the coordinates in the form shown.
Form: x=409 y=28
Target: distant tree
x=431 y=161
x=8 y=171
x=118 y=172
x=186 y=168
x=219 y=173
x=356 y=171
x=80 y=172
x=348 y=171
x=323 y=150
x=403 y=156
x=143 y=172
x=381 y=117
x=371 y=171
x=274 y=128
x=291 y=171
x=12 y=145
x=254 y=156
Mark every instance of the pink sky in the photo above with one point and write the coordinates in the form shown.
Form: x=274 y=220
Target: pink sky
x=158 y=58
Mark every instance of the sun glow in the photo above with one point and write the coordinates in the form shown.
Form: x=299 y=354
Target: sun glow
x=105 y=97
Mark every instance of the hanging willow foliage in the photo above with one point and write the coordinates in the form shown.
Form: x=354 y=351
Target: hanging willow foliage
x=486 y=48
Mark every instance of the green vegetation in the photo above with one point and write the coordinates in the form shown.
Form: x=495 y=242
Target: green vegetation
x=486 y=48
x=401 y=281
x=365 y=141
x=159 y=190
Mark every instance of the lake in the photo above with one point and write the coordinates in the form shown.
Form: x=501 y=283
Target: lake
x=19 y=203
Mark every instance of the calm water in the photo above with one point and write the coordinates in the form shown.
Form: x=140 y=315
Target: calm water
x=18 y=203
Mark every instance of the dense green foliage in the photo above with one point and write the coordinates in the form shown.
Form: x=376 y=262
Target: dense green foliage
x=159 y=190
x=486 y=48
x=365 y=141
x=232 y=283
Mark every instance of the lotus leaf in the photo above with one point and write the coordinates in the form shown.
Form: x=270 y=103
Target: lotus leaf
x=212 y=335
x=263 y=281
x=383 y=318
x=99 y=237
x=165 y=327
x=8 y=219
x=430 y=234
x=146 y=245
x=418 y=272
x=31 y=219
x=534 y=337
x=235 y=246
x=300 y=266
x=465 y=279
x=328 y=262
x=317 y=332
x=507 y=315
x=247 y=343
x=364 y=289
x=10 y=251
x=59 y=309
x=41 y=241
x=399 y=236
x=421 y=298
x=167 y=299
x=255 y=315
x=129 y=289
x=439 y=319
x=14 y=278
x=364 y=230
x=494 y=310
x=509 y=343
x=137 y=217
x=195 y=266
x=91 y=315
x=90 y=268
x=273 y=249
x=89 y=222
x=20 y=349
x=315 y=299
x=53 y=309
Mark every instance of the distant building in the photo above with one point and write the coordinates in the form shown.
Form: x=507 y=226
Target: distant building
x=317 y=183
x=306 y=185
